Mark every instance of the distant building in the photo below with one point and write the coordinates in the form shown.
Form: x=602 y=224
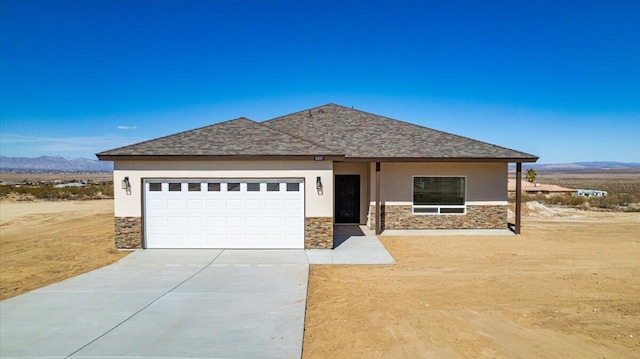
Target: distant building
x=73 y=184
x=590 y=193
x=538 y=188
x=10 y=183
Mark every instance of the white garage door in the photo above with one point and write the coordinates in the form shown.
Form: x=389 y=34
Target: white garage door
x=200 y=213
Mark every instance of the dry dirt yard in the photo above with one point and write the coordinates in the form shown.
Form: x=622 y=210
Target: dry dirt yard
x=45 y=242
x=568 y=287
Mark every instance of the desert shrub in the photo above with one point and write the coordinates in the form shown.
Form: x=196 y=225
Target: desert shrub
x=52 y=193
x=614 y=201
x=566 y=200
x=556 y=200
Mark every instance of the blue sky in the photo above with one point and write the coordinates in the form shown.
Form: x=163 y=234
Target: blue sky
x=558 y=79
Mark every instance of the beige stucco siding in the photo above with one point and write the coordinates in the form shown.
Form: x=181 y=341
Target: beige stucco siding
x=486 y=182
x=361 y=169
x=316 y=205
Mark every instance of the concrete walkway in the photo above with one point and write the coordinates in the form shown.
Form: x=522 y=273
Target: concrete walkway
x=353 y=244
x=166 y=304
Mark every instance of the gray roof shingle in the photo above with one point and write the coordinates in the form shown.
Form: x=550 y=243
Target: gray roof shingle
x=239 y=137
x=359 y=134
x=326 y=130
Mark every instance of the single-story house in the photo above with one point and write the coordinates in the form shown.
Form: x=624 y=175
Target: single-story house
x=538 y=188
x=285 y=182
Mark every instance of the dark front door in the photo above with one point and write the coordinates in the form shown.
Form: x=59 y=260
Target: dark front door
x=347 y=199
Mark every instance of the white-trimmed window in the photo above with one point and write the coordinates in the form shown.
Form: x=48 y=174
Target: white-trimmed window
x=439 y=195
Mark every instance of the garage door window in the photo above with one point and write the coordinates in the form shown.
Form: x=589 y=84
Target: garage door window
x=233 y=187
x=195 y=187
x=273 y=187
x=293 y=187
x=253 y=187
x=155 y=187
x=175 y=187
x=213 y=187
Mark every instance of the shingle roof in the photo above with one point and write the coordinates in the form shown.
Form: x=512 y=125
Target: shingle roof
x=536 y=187
x=326 y=130
x=359 y=134
x=239 y=137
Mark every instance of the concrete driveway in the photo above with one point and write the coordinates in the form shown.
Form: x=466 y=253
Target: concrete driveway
x=166 y=304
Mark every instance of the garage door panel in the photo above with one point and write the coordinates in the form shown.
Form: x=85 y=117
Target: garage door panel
x=254 y=222
x=193 y=204
x=233 y=240
x=176 y=222
x=173 y=204
x=156 y=223
x=215 y=221
x=215 y=241
x=215 y=204
x=250 y=215
x=234 y=222
x=273 y=222
x=234 y=204
x=195 y=240
x=156 y=204
x=255 y=240
x=196 y=223
x=273 y=204
x=292 y=204
x=175 y=240
x=291 y=222
x=253 y=204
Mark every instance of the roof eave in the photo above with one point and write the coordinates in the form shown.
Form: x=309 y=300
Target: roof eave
x=442 y=159
x=315 y=157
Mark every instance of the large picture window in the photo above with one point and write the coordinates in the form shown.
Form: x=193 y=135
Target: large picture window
x=439 y=195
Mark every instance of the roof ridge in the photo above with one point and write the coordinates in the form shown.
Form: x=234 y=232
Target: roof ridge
x=295 y=136
x=179 y=133
x=302 y=111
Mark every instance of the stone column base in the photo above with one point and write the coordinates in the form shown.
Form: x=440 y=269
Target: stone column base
x=128 y=232
x=318 y=232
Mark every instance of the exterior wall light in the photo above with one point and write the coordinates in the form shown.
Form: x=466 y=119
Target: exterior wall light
x=319 y=185
x=126 y=185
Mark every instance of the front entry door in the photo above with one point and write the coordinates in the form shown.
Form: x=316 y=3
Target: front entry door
x=347 y=199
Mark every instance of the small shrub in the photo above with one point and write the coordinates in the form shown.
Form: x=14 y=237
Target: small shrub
x=614 y=201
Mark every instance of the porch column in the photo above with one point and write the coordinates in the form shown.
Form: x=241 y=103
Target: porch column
x=378 y=216
x=518 y=196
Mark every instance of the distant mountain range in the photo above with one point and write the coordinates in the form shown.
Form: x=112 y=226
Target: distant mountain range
x=65 y=164
x=582 y=166
x=53 y=163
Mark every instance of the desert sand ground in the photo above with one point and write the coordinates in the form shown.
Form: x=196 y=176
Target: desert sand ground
x=568 y=287
x=45 y=242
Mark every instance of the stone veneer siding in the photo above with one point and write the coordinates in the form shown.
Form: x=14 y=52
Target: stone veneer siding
x=477 y=217
x=318 y=232
x=372 y=218
x=128 y=232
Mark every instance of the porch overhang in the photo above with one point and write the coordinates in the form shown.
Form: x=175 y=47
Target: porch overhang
x=439 y=159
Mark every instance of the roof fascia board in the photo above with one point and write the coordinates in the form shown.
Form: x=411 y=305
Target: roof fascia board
x=440 y=159
x=221 y=158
